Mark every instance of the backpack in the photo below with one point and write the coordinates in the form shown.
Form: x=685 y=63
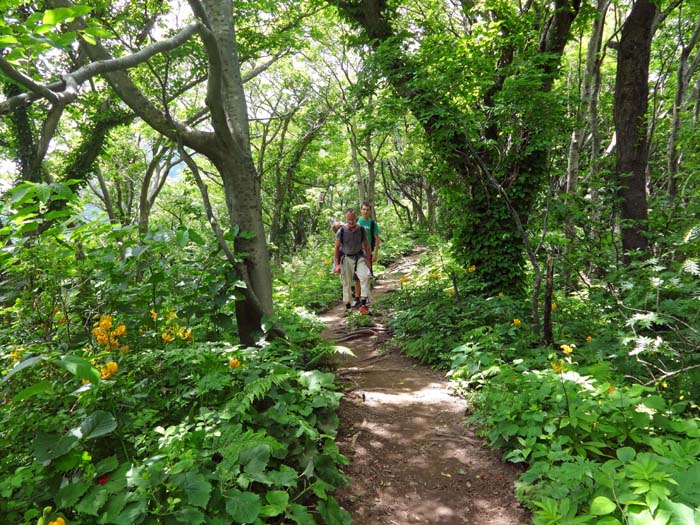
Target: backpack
x=373 y=229
x=363 y=235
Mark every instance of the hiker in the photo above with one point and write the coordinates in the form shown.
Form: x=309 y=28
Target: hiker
x=372 y=230
x=353 y=257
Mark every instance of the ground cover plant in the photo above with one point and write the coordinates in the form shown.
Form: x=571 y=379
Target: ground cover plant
x=126 y=398
x=604 y=421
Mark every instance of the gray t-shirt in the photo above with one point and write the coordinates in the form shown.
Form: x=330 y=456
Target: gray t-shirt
x=351 y=241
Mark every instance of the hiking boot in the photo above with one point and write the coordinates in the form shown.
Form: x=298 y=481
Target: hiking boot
x=364 y=309
x=356 y=303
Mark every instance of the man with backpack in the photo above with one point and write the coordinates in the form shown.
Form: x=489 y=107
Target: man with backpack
x=353 y=257
x=372 y=230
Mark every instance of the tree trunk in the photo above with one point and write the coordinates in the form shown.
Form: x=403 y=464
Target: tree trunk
x=631 y=101
x=501 y=260
x=686 y=70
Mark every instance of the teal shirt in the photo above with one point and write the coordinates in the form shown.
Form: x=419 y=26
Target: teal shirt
x=367 y=224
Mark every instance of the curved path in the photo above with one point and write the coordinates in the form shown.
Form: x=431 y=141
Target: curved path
x=412 y=459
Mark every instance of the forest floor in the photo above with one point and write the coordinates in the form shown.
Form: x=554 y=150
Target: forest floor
x=412 y=457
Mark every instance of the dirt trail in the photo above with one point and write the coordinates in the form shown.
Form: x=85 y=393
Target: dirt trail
x=412 y=459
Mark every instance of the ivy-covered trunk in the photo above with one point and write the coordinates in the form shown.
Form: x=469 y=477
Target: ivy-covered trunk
x=485 y=233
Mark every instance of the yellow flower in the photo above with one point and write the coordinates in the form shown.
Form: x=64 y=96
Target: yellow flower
x=500 y=294
x=558 y=367
x=554 y=306
x=516 y=322
x=567 y=349
x=611 y=389
x=327 y=261
x=154 y=315
x=234 y=363
x=105 y=322
x=450 y=291
x=108 y=370
x=471 y=269
x=172 y=314
x=404 y=279
x=435 y=275
x=58 y=521
x=125 y=349
x=119 y=331
x=184 y=333
x=167 y=337
x=589 y=339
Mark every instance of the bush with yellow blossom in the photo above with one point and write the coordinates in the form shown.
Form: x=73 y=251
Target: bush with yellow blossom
x=107 y=335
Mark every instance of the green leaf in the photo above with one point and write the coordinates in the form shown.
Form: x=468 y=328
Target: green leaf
x=69 y=495
x=79 y=368
x=93 y=501
x=8 y=39
x=183 y=237
x=106 y=465
x=655 y=402
x=278 y=501
x=190 y=515
x=319 y=487
x=195 y=237
x=332 y=513
x=53 y=17
x=47 y=447
x=600 y=506
x=299 y=515
x=95 y=425
x=196 y=488
x=608 y=520
x=21 y=366
x=244 y=507
x=254 y=460
x=286 y=477
x=38 y=388
x=625 y=454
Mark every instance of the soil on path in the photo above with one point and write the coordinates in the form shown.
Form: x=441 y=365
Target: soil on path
x=412 y=459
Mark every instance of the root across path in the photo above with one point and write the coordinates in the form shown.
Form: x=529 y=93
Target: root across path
x=412 y=458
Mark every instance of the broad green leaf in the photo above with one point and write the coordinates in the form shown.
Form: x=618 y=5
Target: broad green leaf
x=601 y=506
x=183 y=237
x=244 y=507
x=106 y=465
x=196 y=488
x=93 y=501
x=53 y=17
x=38 y=388
x=190 y=515
x=254 y=460
x=332 y=513
x=8 y=39
x=625 y=454
x=97 y=424
x=21 y=366
x=608 y=520
x=300 y=515
x=195 y=237
x=277 y=503
x=655 y=402
x=69 y=495
x=51 y=446
x=133 y=513
x=80 y=368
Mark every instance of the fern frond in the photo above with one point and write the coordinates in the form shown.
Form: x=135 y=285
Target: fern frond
x=692 y=267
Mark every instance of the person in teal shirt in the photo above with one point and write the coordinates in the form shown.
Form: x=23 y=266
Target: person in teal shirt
x=372 y=229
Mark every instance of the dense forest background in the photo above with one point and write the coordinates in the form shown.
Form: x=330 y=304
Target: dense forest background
x=169 y=172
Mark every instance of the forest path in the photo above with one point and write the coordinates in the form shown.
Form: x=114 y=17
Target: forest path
x=412 y=459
